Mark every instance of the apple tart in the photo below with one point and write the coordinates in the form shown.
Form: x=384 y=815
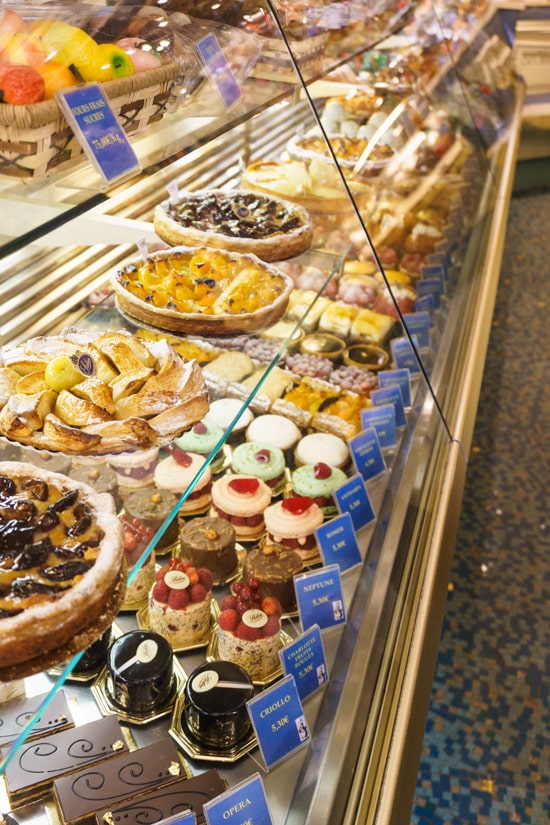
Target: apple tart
x=84 y=393
x=237 y=221
x=202 y=291
x=61 y=567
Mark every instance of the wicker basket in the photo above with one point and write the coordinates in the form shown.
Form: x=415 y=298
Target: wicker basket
x=36 y=140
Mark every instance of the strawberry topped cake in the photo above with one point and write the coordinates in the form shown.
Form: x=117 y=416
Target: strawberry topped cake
x=179 y=604
x=241 y=499
x=178 y=471
x=292 y=522
x=249 y=630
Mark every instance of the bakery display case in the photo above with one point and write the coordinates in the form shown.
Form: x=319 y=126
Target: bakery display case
x=284 y=316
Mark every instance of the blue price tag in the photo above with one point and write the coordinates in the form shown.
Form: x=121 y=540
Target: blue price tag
x=211 y=54
x=389 y=378
x=367 y=454
x=279 y=721
x=245 y=802
x=391 y=395
x=338 y=543
x=304 y=658
x=383 y=419
x=353 y=498
x=418 y=323
x=403 y=354
x=98 y=131
x=430 y=286
x=319 y=596
x=425 y=304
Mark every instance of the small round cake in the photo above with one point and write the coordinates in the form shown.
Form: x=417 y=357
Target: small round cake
x=140 y=580
x=322 y=447
x=203 y=438
x=153 y=506
x=135 y=469
x=98 y=476
x=248 y=631
x=241 y=500
x=179 y=603
x=140 y=672
x=274 y=431
x=178 y=471
x=209 y=542
x=318 y=481
x=273 y=567
x=224 y=410
x=215 y=708
x=292 y=522
x=261 y=461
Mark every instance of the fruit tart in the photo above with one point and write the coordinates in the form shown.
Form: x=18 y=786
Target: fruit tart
x=86 y=393
x=202 y=291
x=61 y=567
x=237 y=221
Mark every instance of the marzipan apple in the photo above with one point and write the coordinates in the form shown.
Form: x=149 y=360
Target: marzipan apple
x=142 y=54
x=121 y=63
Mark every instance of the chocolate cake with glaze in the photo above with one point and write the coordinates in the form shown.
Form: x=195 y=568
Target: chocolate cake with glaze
x=274 y=567
x=209 y=542
x=15 y=715
x=140 y=675
x=215 y=709
x=33 y=768
x=81 y=795
x=170 y=800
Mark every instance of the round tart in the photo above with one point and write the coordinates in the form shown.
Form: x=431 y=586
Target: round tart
x=61 y=561
x=202 y=291
x=237 y=221
x=86 y=393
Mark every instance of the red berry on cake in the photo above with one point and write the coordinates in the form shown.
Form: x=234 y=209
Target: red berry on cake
x=272 y=606
x=197 y=593
x=228 y=619
x=178 y=599
x=179 y=604
x=206 y=578
x=248 y=633
x=161 y=591
x=272 y=626
x=229 y=603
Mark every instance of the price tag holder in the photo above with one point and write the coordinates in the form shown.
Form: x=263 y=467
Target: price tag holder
x=391 y=395
x=185 y=818
x=245 y=802
x=425 y=304
x=219 y=70
x=404 y=355
x=418 y=323
x=353 y=498
x=338 y=543
x=304 y=658
x=431 y=286
x=97 y=129
x=278 y=719
x=367 y=454
x=401 y=378
x=383 y=420
x=320 y=599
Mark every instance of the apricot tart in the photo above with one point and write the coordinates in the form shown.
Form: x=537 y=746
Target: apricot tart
x=61 y=566
x=84 y=393
x=203 y=290
x=237 y=221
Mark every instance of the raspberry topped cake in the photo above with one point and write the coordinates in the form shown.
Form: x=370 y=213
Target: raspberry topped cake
x=318 y=481
x=179 y=603
x=292 y=523
x=241 y=499
x=249 y=630
x=136 y=538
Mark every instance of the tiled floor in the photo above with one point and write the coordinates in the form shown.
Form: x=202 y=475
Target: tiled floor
x=486 y=755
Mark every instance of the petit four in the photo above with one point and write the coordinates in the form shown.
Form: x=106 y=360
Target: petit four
x=178 y=472
x=152 y=507
x=209 y=542
x=322 y=447
x=140 y=672
x=179 y=603
x=274 y=431
x=215 y=710
x=318 y=481
x=241 y=500
x=292 y=522
x=259 y=460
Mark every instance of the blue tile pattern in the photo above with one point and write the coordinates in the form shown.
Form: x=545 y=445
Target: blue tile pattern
x=486 y=753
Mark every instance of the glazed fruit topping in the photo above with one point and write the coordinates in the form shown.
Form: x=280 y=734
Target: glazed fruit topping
x=322 y=470
x=180 y=456
x=245 y=486
x=247 y=598
x=136 y=538
x=297 y=505
x=198 y=584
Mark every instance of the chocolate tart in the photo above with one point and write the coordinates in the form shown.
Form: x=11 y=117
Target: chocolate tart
x=237 y=221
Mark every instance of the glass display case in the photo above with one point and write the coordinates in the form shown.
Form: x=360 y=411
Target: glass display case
x=382 y=138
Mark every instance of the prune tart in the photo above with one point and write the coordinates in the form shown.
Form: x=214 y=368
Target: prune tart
x=61 y=567
x=203 y=291
x=237 y=221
